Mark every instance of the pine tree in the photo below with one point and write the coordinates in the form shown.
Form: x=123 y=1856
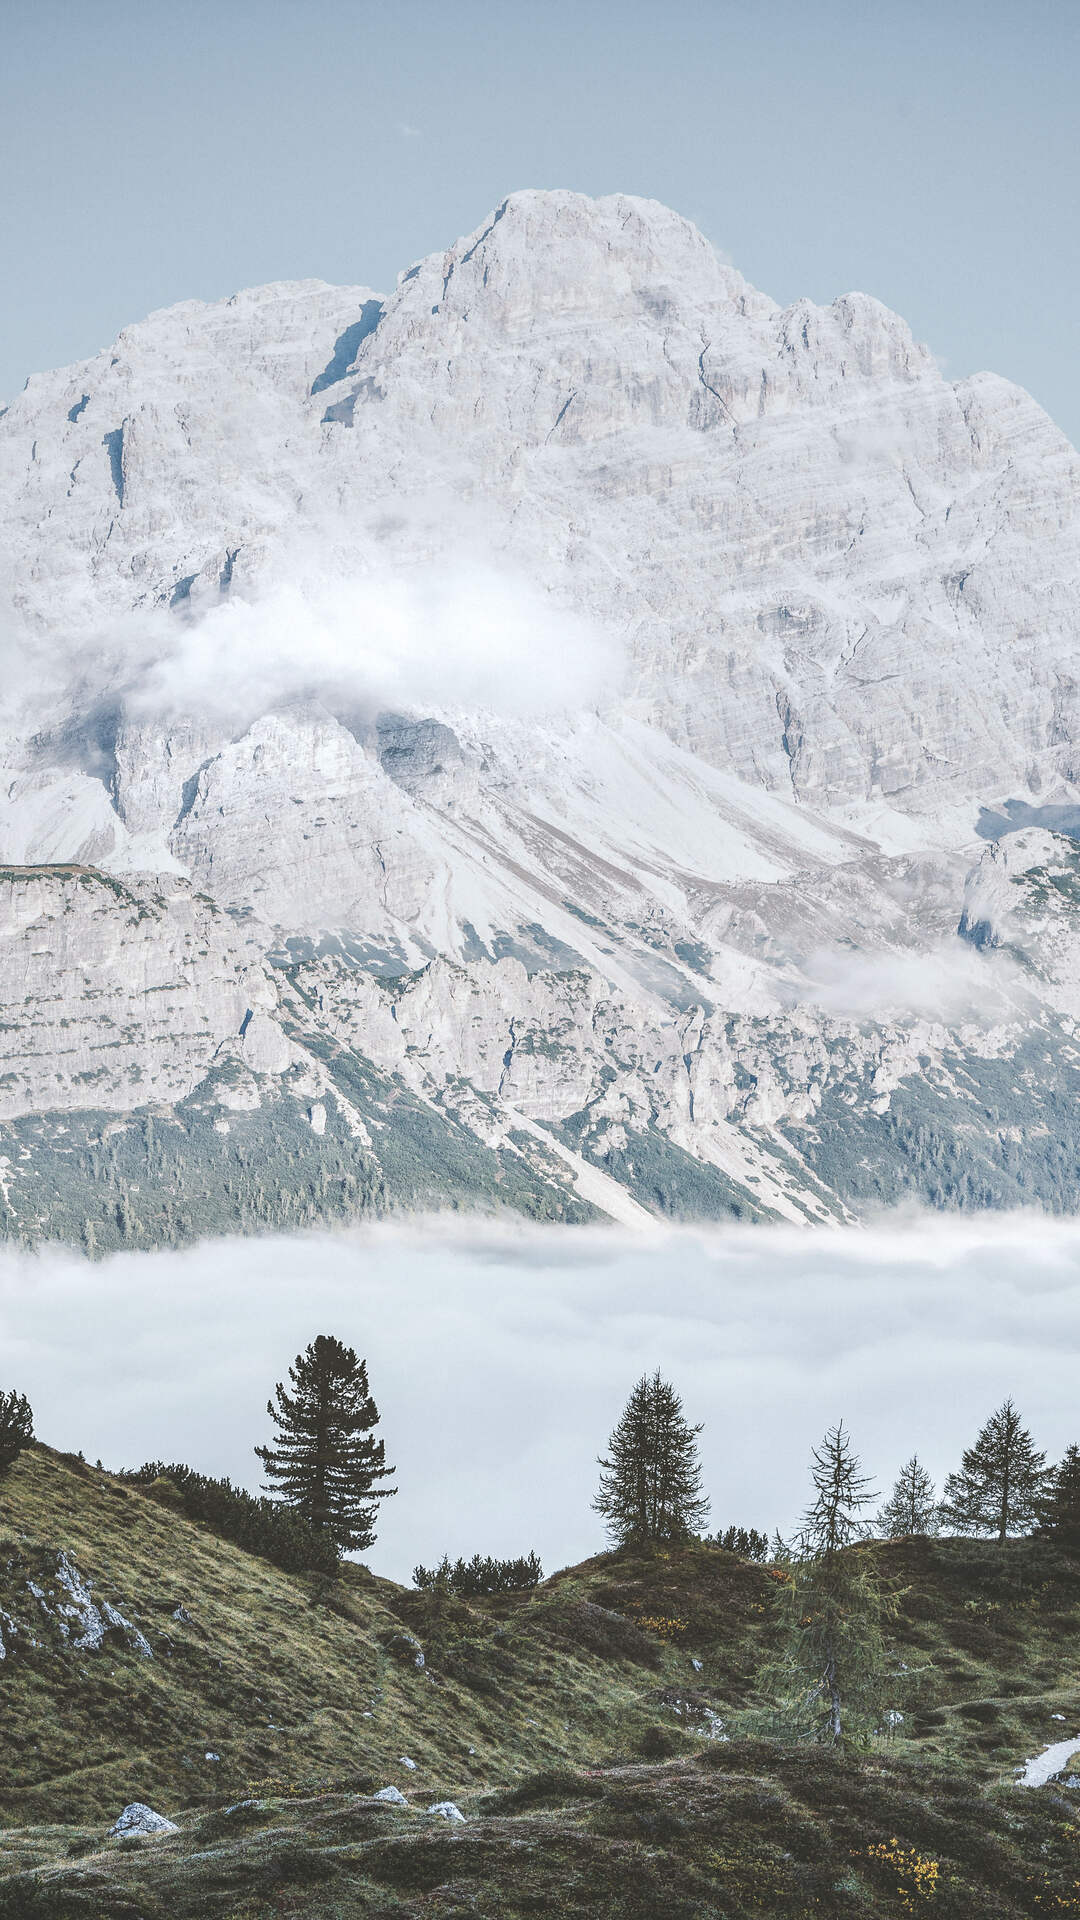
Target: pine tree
x=650 y=1488
x=912 y=1506
x=1000 y=1482
x=325 y=1463
x=16 y=1428
x=830 y=1672
x=1059 y=1508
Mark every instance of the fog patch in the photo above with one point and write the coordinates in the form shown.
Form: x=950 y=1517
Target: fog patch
x=500 y=1358
x=950 y=982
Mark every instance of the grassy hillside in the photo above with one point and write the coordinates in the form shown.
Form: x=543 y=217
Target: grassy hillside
x=596 y=1734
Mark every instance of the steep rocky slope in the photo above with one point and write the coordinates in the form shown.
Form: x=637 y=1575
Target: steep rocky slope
x=559 y=701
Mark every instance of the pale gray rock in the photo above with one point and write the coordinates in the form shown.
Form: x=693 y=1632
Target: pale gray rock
x=569 y=686
x=446 y=1810
x=69 y=1602
x=392 y=1795
x=139 y=1818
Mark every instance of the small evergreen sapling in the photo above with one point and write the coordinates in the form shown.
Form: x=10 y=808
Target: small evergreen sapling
x=650 y=1487
x=325 y=1463
x=912 y=1505
x=16 y=1427
x=999 y=1487
x=830 y=1670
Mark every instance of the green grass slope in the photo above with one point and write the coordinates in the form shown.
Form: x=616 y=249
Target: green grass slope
x=594 y=1733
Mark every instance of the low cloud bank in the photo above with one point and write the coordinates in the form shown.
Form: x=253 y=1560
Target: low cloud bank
x=459 y=636
x=446 y=638
x=500 y=1359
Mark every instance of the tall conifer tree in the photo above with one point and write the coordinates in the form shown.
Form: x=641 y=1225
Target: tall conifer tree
x=1001 y=1480
x=325 y=1462
x=650 y=1487
x=1059 y=1509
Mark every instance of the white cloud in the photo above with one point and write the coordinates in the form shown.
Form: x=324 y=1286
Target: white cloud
x=459 y=637
x=436 y=639
x=500 y=1359
x=948 y=982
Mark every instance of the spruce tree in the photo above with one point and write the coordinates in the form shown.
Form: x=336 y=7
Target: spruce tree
x=912 y=1506
x=1000 y=1482
x=830 y=1669
x=650 y=1487
x=1059 y=1508
x=16 y=1427
x=325 y=1462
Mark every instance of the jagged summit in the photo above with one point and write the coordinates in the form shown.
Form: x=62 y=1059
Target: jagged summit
x=544 y=255
x=822 y=556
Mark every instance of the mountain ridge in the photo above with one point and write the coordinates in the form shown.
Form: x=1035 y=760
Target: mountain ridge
x=572 y=606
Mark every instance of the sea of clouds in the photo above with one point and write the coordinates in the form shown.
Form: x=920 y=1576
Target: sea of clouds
x=501 y=1357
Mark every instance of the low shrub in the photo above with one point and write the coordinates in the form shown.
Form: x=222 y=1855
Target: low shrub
x=249 y=1520
x=746 y=1541
x=481 y=1574
x=658 y=1743
x=597 y=1630
x=16 y=1427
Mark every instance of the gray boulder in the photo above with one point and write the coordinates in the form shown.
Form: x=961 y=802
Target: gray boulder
x=138 y=1818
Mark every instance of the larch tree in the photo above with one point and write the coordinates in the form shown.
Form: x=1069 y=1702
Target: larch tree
x=325 y=1462
x=16 y=1428
x=650 y=1486
x=830 y=1670
x=1000 y=1483
x=912 y=1506
x=1059 y=1508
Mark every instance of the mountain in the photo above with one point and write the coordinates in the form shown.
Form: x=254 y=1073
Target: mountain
x=590 y=1732
x=567 y=734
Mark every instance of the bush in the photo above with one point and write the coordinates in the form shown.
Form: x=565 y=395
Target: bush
x=747 y=1541
x=587 y=1628
x=16 y=1428
x=481 y=1574
x=658 y=1743
x=249 y=1520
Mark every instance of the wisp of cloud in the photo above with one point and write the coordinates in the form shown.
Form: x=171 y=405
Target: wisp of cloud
x=462 y=637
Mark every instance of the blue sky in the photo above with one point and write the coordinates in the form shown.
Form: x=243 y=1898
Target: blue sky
x=926 y=153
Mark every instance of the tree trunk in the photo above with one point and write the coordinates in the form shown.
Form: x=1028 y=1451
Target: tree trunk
x=835 y=1729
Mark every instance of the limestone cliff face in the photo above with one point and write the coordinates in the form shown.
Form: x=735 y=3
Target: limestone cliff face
x=563 y=688
x=115 y=995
